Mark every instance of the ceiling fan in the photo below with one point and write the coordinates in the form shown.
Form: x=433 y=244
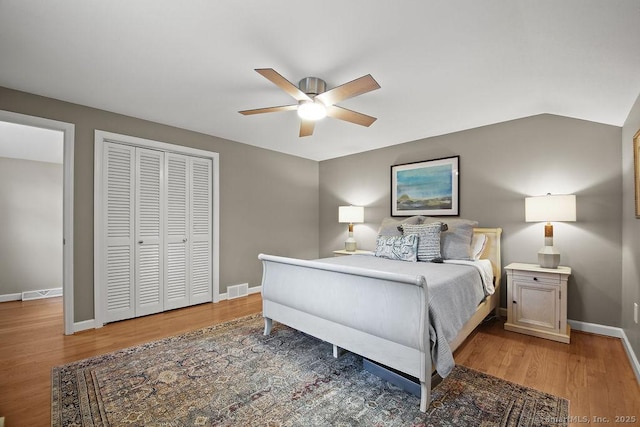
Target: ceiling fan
x=315 y=102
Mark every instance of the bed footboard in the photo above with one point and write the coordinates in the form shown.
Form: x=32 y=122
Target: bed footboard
x=363 y=311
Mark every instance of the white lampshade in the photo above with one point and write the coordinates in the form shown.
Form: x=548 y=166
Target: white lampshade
x=550 y=208
x=547 y=209
x=350 y=214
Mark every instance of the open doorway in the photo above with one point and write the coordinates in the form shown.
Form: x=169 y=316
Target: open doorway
x=36 y=156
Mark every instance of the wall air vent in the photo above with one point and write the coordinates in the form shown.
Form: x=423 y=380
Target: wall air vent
x=237 y=291
x=45 y=293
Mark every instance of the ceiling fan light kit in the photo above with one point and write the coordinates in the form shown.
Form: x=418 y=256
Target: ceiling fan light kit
x=311 y=110
x=315 y=102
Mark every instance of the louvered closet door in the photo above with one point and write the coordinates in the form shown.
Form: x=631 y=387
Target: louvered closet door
x=200 y=232
x=149 y=228
x=118 y=205
x=176 y=277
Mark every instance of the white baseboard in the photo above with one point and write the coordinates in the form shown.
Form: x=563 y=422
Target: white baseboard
x=594 y=328
x=10 y=297
x=31 y=295
x=608 y=331
x=632 y=356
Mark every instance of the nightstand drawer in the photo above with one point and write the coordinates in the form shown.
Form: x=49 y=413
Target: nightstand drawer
x=537 y=277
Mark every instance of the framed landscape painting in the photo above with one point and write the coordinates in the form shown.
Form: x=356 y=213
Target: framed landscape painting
x=428 y=188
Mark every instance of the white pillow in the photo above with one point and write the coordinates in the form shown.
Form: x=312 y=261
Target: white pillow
x=478 y=242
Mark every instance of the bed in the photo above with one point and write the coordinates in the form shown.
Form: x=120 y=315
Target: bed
x=383 y=309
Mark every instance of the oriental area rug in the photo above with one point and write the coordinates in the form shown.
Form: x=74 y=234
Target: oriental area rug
x=232 y=375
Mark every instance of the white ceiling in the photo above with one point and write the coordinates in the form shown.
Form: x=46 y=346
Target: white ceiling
x=443 y=66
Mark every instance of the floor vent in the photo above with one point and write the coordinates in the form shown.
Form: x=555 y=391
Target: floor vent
x=45 y=293
x=237 y=291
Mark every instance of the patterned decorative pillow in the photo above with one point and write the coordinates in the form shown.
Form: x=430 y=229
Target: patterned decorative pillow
x=403 y=248
x=428 y=239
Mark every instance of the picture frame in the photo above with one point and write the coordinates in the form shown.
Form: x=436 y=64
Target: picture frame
x=429 y=187
x=636 y=170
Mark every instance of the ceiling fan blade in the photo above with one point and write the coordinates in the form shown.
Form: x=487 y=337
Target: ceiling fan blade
x=355 y=87
x=269 y=109
x=274 y=77
x=350 y=116
x=306 y=127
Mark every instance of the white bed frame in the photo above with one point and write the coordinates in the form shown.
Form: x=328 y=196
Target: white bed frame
x=320 y=299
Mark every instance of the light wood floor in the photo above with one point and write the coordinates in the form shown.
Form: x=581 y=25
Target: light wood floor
x=593 y=372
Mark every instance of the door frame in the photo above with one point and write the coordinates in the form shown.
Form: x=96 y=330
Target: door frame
x=100 y=138
x=68 y=131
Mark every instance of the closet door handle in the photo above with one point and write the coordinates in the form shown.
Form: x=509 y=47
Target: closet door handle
x=184 y=240
x=140 y=241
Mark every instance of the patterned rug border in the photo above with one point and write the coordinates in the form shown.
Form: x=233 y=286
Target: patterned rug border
x=535 y=405
x=511 y=383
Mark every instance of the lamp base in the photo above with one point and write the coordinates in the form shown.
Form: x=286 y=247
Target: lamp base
x=549 y=257
x=350 y=244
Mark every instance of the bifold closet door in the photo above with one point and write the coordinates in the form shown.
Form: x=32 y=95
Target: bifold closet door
x=188 y=239
x=149 y=228
x=200 y=230
x=157 y=231
x=118 y=215
x=177 y=226
x=132 y=203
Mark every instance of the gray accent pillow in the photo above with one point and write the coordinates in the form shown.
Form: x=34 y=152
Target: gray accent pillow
x=403 y=248
x=455 y=243
x=428 y=239
x=389 y=226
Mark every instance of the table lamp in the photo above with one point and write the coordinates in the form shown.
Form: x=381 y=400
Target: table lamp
x=550 y=208
x=350 y=214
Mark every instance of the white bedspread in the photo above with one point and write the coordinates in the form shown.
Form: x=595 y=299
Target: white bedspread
x=485 y=269
x=454 y=290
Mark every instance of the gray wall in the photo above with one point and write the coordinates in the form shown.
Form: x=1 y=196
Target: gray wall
x=499 y=166
x=30 y=225
x=271 y=202
x=630 y=232
x=268 y=200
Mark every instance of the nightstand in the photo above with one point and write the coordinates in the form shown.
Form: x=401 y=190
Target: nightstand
x=537 y=301
x=343 y=252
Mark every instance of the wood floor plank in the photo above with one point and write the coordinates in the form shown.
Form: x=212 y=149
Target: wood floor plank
x=593 y=372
